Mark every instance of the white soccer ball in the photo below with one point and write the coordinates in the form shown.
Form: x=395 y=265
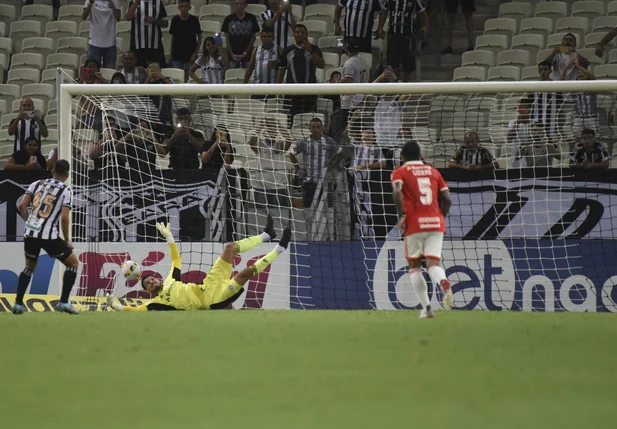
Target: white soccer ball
x=131 y=270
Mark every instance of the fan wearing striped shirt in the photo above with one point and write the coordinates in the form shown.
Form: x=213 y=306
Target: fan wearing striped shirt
x=472 y=156
x=585 y=103
x=51 y=201
x=147 y=18
x=264 y=60
x=212 y=64
x=280 y=18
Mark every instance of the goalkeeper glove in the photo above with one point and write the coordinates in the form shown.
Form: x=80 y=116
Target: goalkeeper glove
x=114 y=303
x=165 y=231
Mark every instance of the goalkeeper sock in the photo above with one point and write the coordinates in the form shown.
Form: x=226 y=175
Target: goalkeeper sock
x=419 y=286
x=22 y=285
x=437 y=274
x=247 y=244
x=262 y=264
x=68 y=280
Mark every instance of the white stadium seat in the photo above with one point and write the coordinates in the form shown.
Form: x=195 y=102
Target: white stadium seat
x=588 y=9
x=72 y=45
x=470 y=73
x=529 y=42
x=23 y=76
x=573 y=24
x=37 y=45
x=590 y=54
x=611 y=8
x=553 y=10
x=504 y=73
x=8 y=14
x=529 y=73
x=606 y=71
x=494 y=43
x=539 y=25
x=478 y=57
x=177 y=75
x=604 y=23
x=6 y=46
x=32 y=61
x=8 y=93
x=505 y=26
x=42 y=91
x=60 y=29
x=71 y=13
x=37 y=12
x=69 y=61
x=514 y=57
x=24 y=29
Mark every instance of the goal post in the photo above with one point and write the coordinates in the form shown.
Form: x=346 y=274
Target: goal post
x=519 y=237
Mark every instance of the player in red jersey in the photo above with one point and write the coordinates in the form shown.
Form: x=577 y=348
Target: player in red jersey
x=422 y=200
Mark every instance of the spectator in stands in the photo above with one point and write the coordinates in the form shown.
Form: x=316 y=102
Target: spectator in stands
x=91 y=72
x=545 y=69
x=211 y=63
x=265 y=60
x=130 y=71
x=538 y=152
x=320 y=152
x=585 y=103
x=162 y=104
x=280 y=18
x=354 y=70
x=240 y=29
x=335 y=77
x=368 y=156
x=300 y=62
x=359 y=18
x=408 y=24
x=605 y=41
x=117 y=78
x=217 y=152
x=28 y=123
x=29 y=157
x=519 y=131
x=104 y=153
x=472 y=156
x=388 y=113
x=547 y=107
x=589 y=153
x=468 y=7
x=270 y=178
x=185 y=33
x=183 y=144
x=561 y=56
x=147 y=18
x=103 y=17
x=394 y=155
x=140 y=148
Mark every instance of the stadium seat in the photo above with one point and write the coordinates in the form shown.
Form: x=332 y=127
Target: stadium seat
x=107 y=73
x=37 y=45
x=329 y=44
x=469 y=73
x=529 y=73
x=611 y=8
x=214 y=12
x=21 y=30
x=504 y=73
x=543 y=54
x=69 y=61
x=38 y=105
x=234 y=75
x=8 y=14
x=5 y=121
x=604 y=24
x=8 y=93
x=543 y=26
x=469 y=119
x=32 y=61
x=504 y=26
x=6 y=46
x=3 y=107
x=256 y=9
x=51 y=121
x=297 y=11
x=84 y=29
x=556 y=38
x=70 y=13
x=320 y=12
x=331 y=59
x=514 y=57
x=612 y=56
x=573 y=24
x=23 y=76
x=478 y=57
x=37 y=12
x=493 y=43
x=316 y=29
x=3 y=30
x=4 y=64
x=592 y=40
x=606 y=71
x=123 y=29
x=177 y=75
x=515 y=10
x=210 y=27
x=320 y=76
x=59 y=29
x=49 y=76
x=52 y=106
x=590 y=54
x=72 y=45
x=553 y=10
x=529 y=42
x=588 y=9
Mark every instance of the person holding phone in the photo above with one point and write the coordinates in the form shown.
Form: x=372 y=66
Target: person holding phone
x=28 y=123
x=28 y=158
x=184 y=143
x=561 y=55
x=218 y=151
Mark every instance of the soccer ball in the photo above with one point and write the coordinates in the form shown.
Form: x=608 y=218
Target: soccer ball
x=131 y=270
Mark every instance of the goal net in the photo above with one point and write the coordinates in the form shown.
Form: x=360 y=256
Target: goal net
x=530 y=227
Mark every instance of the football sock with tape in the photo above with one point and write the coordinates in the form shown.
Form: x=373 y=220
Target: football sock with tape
x=262 y=264
x=437 y=274
x=419 y=286
x=247 y=244
x=68 y=280
x=22 y=285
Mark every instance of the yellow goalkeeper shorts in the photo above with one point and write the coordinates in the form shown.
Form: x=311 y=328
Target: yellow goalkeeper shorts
x=217 y=286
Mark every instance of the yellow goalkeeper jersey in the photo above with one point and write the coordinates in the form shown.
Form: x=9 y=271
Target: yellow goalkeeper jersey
x=175 y=295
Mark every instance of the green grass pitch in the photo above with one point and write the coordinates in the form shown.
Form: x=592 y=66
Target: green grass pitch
x=308 y=369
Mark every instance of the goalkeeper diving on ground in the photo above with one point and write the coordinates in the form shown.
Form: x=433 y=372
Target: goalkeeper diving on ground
x=218 y=290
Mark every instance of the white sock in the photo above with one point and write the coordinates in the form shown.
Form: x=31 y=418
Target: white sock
x=437 y=274
x=265 y=237
x=279 y=249
x=420 y=287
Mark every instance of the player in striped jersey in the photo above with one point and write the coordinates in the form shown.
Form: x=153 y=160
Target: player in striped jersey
x=264 y=59
x=51 y=204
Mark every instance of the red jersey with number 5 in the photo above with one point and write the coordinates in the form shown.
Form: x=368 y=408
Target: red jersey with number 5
x=421 y=187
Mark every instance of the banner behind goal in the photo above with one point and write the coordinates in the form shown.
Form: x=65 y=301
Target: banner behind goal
x=530 y=227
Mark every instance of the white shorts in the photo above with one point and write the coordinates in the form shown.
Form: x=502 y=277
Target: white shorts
x=427 y=244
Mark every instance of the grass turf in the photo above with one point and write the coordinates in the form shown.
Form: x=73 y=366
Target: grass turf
x=308 y=369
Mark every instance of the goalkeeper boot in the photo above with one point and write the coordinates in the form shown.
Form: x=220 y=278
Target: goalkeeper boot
x=286 y=238
x=448 y=299
x=63 y=307
x=18 y=309
x=269 y=228
x=427 y=313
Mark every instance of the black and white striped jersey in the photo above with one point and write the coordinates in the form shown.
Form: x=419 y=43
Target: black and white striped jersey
x=48 y=198
x=359 y=16
x=263 y=72
x=402 y=15
x=144 y=35
x=281 y=27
